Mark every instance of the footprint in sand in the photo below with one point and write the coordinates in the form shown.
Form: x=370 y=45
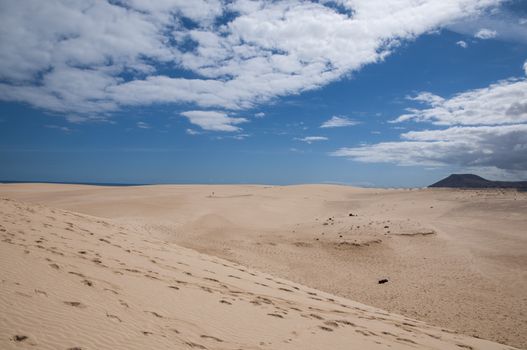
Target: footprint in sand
x=318 y=317
x=38 y=291
x=345 y=322
x=211 y=279
x=360 y=331
x=75 y=304
x=113 y=317
x=155 y=314
x=206 y=289
x=406 y=340
x=111 y=291
x=315 y=298
x=204 y=336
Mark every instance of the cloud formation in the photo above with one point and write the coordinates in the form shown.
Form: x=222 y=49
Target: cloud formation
x=213 y=120
x=506 y=24
x=61 y=128
x=143 y=125
x=338 y=122
x=485 y=129
x=504 y=102
x=192 y=132
x=502 y=147
x=485 y=34
x=462 y=44
x=91 y=58
x=311 y=139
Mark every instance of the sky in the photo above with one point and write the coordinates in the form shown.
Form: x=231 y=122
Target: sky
x=376 y=93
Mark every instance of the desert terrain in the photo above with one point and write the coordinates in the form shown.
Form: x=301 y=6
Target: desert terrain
x=256 y=267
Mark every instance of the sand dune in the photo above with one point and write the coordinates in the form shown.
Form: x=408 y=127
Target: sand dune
x=456 y=259
x=71 y=281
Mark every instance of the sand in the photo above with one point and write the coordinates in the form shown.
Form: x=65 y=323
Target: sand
x=270 y=267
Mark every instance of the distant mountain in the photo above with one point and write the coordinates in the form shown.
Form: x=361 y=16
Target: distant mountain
x=474 y=181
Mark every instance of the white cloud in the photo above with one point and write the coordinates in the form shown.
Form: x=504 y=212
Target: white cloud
x=64 y=129
x=502 y=147
x=338 y=122
x=213 y=120
x=232 y=137
x=462 y=44
x=192 y=132
x=485 y=34
x=260 y=115
x=506 y=24
x=311 y=139
x=143 y=125
x=79 y=119
x=486 y=129
x=93 y=58
x=239 y=136
x=504 y=102
x=525 y=67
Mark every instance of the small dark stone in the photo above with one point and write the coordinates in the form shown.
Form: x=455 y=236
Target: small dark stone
x=384 y=280
x=88 y=283
x=19 y=337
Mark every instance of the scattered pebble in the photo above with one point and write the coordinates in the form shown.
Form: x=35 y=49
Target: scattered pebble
x=20 y=337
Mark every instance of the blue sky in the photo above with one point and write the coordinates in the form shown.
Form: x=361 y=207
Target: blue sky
x=240 y=92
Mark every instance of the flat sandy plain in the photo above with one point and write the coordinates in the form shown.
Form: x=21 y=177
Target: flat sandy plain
x=269 y=267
